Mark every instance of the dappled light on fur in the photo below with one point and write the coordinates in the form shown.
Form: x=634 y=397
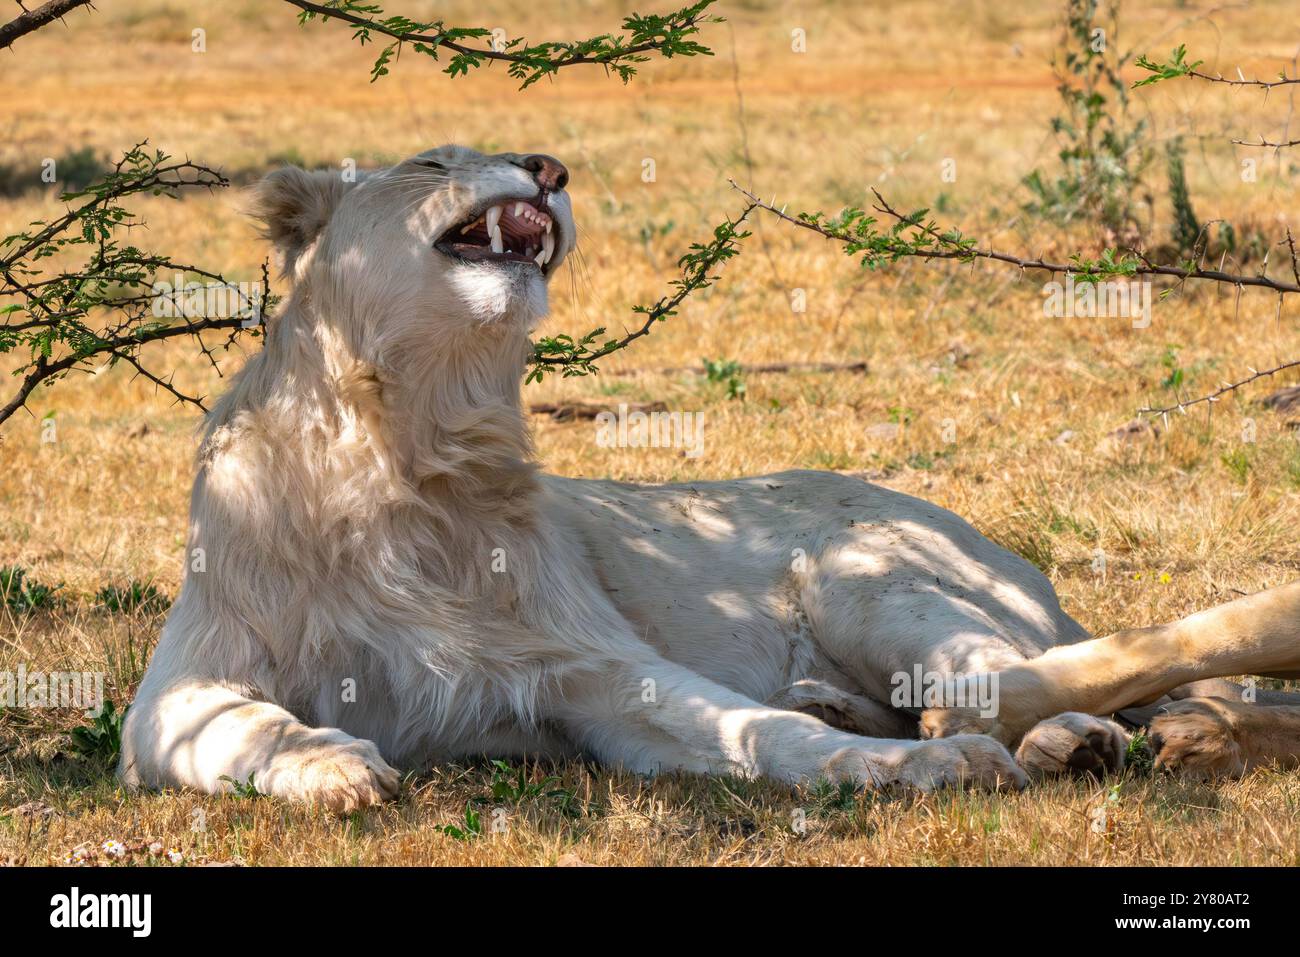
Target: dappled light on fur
x=388 y=578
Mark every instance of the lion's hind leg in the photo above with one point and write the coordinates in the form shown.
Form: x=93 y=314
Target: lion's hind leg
x=844 y=710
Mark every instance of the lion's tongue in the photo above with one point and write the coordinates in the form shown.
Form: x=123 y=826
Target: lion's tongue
x=517 y=227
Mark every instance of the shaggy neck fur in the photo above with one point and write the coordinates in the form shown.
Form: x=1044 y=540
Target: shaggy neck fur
x=432 y=434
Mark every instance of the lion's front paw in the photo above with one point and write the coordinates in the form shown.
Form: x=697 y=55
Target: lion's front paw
x=970 y=760
x=1073 y=742
x=339 y=775
x=964 y=760
x=1198 y=736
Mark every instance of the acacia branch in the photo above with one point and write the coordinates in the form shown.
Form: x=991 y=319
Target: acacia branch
x=1282 y=80
x=1177 y=66
x=30 y=21
x=562 y=354
x=159 y=177
x=1265 y=143
x=666 y=35
x=43 y=368
x=110 y=306
x=913 y=236
x=1222 y=390
x=166 y=384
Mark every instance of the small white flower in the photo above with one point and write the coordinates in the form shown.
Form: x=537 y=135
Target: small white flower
x=175 y=856
x=114 y=848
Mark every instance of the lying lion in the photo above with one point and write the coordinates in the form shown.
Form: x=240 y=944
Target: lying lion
x=379 y=575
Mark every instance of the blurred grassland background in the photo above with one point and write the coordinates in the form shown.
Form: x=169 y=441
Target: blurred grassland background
x=972 y=399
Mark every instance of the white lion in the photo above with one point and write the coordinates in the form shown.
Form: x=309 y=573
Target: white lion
x=379 y=575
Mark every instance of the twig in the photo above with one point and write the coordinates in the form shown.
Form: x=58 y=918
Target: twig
x=161 y=383
x=1178 y=66
x=54 y=311
x=44 y=369
x=31 y=20
x=947 y=248
x=764 y=368
x=1265 y=143
x=665 y=35
x=1243 y=81
x=562 y=354
x=1221 y=391
x=860 y=234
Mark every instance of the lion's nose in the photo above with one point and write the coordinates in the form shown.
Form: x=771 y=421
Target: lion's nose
x=547 y=170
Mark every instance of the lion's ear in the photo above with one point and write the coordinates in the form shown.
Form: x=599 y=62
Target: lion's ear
x=293 y=206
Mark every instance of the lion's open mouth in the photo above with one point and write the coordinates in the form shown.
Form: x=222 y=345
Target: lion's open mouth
x=516 y=230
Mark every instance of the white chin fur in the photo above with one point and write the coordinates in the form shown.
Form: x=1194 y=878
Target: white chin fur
x=491 y=293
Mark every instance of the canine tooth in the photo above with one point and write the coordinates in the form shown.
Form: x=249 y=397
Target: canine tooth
x=548 y=245
x=519 y=208
x=548 y=227
x=493 y=218
x=541 y=258
x=498 y=245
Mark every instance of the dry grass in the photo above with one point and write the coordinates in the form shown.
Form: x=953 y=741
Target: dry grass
x=1184 y=521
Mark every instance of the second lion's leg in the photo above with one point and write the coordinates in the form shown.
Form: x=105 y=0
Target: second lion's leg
x=1253 y=635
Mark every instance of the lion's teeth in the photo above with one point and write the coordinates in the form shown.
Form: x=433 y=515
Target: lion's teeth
x=548 y=226
x=548 y=246
x=541 y=258
x=498 y=245
x=519 y=208
x=493 y=218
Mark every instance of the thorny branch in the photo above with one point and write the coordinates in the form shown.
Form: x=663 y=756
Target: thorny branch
x=1177 y=66
x=29 y=21
x=562 y=354
x=668 y=36
x=1265 y=143
x=913 y=235
x=1223 y=390
x=109 y=305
